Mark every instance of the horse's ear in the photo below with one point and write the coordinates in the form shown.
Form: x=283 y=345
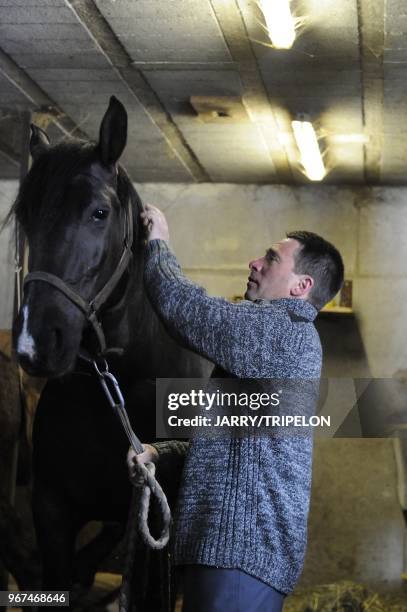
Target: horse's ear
x=113 y=132
x=39 y=141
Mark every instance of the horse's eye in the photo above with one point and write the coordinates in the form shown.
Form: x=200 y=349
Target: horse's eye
x=100 y=214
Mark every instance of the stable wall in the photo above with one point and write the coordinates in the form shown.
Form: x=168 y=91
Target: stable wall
x=7 y=193
x=216 y=229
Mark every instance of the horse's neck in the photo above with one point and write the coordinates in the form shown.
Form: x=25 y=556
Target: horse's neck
x=148 y=350
x=124 y=323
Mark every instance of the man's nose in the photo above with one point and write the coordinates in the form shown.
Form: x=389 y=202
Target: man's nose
x=256 y=264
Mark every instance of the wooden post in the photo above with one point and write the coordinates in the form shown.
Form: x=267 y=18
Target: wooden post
x=20 y=245
x=20 y=258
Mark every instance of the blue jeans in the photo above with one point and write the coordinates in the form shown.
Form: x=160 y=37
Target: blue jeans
x=213 y=589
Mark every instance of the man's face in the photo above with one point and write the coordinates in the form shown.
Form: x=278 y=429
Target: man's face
x=272 y=276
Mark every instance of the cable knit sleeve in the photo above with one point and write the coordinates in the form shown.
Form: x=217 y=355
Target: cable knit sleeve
x=236 y=337
x=171 y=451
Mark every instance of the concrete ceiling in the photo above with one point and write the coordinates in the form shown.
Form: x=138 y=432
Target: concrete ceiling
x=60 y=60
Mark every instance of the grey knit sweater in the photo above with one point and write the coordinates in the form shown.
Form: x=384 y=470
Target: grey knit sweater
x=243 y=502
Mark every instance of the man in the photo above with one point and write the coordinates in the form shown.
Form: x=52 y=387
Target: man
x=241 y=522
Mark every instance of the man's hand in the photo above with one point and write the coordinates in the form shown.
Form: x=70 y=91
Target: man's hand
x=150 y=455
x=156 y=223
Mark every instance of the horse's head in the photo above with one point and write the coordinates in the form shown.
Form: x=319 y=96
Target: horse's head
x=71 y=208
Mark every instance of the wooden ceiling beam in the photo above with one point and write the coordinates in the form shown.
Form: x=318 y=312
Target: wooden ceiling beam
x=36 y=98
x=100 y=30
x=371 y=43
x=255 y=96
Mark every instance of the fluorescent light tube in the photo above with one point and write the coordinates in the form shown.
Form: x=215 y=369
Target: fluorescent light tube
x=279 y=22
x=310 y=154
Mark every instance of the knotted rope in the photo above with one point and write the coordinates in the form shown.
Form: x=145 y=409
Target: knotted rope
x=144 y=484
x=146 y=479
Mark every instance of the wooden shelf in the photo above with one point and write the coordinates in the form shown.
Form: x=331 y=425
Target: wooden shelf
x=338 y=310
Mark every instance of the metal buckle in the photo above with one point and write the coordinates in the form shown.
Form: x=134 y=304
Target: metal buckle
x=104 y=365
x=115 y=398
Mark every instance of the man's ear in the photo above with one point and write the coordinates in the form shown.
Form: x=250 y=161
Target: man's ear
x=39 y=141
x=303 y=286
x=113 y=133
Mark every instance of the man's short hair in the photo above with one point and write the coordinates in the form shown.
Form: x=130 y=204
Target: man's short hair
x=322 y=261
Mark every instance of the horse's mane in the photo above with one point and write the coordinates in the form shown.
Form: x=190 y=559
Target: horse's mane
x=125 y=190
x=42 y=190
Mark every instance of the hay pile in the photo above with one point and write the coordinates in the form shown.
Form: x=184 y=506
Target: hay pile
x=343 y=597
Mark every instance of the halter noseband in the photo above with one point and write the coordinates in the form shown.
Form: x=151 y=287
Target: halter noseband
x=92 y=308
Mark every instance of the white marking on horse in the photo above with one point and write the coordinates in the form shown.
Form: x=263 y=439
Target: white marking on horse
x=25 y=344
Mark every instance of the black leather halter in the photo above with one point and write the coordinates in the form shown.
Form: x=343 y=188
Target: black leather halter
x=91 y=309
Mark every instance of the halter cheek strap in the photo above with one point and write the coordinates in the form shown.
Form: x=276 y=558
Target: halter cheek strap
x=91 y=308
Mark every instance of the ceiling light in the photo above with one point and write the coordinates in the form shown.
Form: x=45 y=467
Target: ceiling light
x=348 y=138
x=310 y=154
x=285 y=138
x=279 y=22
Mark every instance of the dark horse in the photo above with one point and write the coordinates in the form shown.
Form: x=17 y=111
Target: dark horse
x=74 y=206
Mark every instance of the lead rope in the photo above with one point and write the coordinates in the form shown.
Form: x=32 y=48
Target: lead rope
x=145 y=479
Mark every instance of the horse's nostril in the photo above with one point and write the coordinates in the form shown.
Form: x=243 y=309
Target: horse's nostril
x=28 y=363
x=58 y=339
